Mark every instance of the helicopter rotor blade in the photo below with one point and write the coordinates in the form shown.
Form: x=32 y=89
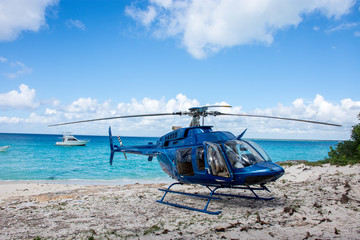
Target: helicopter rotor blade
x=110 y=118
x=282 y=118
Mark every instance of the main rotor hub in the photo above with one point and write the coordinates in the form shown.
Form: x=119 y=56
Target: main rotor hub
x=197 y=112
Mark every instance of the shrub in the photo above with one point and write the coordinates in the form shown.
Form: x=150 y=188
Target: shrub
x=347 y=152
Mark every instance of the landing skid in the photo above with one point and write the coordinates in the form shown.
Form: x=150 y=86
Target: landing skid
x=211 y=196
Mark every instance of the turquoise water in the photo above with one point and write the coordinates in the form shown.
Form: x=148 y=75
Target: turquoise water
x=35 y=157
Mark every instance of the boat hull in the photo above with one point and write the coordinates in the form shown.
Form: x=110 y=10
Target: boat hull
x=4 y=148
x=69 y=144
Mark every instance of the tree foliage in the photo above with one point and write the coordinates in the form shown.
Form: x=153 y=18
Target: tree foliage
x=347 y=152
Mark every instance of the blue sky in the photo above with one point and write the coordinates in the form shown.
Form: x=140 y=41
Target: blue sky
x=63 y=60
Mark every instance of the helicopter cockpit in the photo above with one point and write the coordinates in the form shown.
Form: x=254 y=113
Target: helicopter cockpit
x=244 y=153
x=240 y=154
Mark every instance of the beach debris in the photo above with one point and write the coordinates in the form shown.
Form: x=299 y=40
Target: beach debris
x=347 y=185
x=258 y=220
x=323 y=220
x=337 y=231
x=308 y=235
x=220 y=229
x=290 y=209
x=317 y=205
x=344 y=198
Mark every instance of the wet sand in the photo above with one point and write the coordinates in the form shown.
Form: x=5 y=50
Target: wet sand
x=310 y=203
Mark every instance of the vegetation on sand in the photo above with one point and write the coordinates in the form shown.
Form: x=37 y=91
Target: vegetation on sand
x=347 y=152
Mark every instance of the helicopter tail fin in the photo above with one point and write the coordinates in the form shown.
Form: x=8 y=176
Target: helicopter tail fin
x=115 y=148
x=111 y=147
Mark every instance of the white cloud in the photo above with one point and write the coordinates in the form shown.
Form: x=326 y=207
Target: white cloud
x=205 y=27
x=3 y=60
x=20 y=69
x=76 y=23
x=9 y=120
x=23 y=99
x=343 y=26
x=82 y=105
x=357 y=34
x=146 y=17
x=318 y=109
x=22 y=15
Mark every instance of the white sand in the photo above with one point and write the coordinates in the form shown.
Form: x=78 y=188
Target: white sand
x=310 y=202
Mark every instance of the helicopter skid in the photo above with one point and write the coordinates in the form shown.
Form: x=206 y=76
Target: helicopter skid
x=211 y=196
x=252 y=189
x=189 y=194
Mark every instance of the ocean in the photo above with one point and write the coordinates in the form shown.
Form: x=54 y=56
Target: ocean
x=35 y=157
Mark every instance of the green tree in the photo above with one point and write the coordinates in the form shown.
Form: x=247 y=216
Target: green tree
x=347 y=152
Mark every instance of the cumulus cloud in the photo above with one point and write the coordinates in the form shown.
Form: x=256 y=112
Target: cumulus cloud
x=10 y=120
x=146 y=17
x=23 y=99
x=318 y=109
x=17 y=16
x=148 y=105
x=205 y=27
x=76 y=23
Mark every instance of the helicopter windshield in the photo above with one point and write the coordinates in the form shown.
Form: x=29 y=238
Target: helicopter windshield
x=242 y=154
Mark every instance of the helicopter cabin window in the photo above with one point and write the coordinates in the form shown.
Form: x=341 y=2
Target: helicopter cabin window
x=183 y=162
x=216 y=160
x=200 y=159
x=242 y=154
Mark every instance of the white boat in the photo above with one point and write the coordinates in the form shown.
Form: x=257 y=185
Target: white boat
x=69 y=140
x=4 y=148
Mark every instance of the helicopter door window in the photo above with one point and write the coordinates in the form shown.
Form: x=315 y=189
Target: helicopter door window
x=183 y=162
x=200 y=160
x=216 y=160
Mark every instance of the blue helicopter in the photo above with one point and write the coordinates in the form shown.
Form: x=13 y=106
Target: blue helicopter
x=213 y=159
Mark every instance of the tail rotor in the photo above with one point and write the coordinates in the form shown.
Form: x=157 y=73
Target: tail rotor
x=121 y=144
x=114 y=148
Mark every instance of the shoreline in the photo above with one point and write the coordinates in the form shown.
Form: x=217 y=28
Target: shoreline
x=310 y=202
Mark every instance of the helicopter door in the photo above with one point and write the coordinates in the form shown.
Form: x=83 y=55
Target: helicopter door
x=216 y=160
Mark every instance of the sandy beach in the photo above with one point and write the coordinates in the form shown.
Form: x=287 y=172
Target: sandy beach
x=310 y=203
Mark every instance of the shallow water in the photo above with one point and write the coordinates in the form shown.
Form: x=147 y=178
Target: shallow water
x=35 y=157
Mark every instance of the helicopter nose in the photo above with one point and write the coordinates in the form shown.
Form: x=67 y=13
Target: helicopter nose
x=268 y=172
